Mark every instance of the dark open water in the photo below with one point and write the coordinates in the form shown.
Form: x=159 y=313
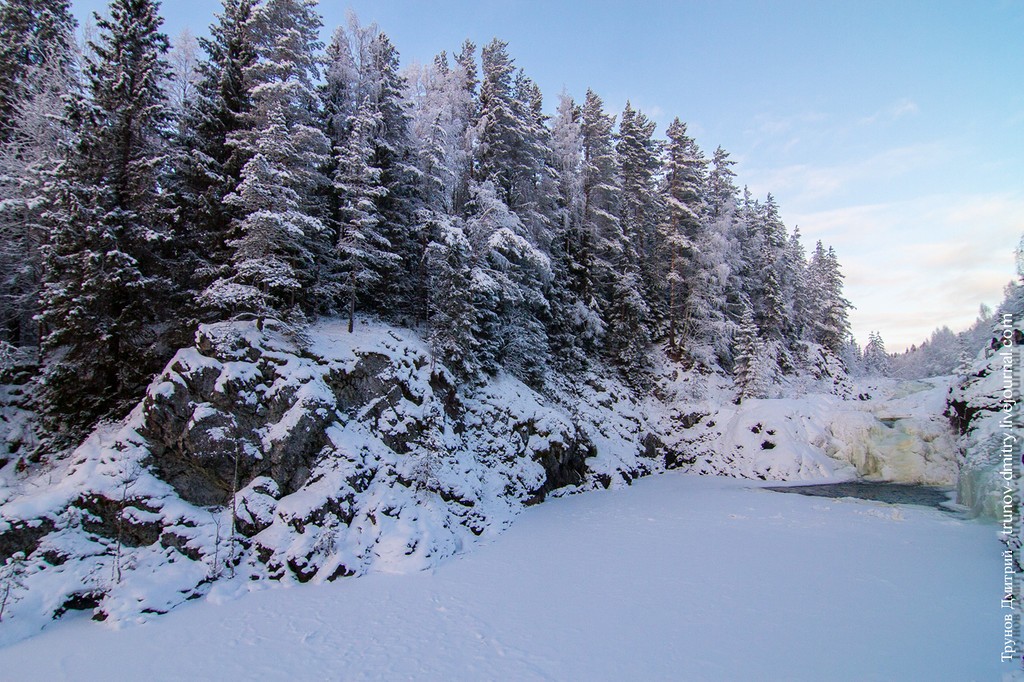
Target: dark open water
x=893 y=493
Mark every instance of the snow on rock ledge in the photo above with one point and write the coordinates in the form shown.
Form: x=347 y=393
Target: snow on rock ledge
x=987 y=425
x=824 y=438
x=257 y=456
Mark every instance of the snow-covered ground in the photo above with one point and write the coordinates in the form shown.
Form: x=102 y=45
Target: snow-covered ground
x=675 y=577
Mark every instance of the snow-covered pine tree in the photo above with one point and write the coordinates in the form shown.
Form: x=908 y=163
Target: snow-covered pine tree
x=828 y=310
x=400 y=206
x=751 y=372
x=506 y=153
x=575 y=325
x=684 y=169
x=32 y=33
x=278 y=240
x=377 y=192
x=725 y=234
x=770 y=302
x=794 y=278
x=508 y=285
x=104 y=268
x=37 y=70
x=537 y=203
x=207 y=168
x=618 y=286
x=721 y=188
x=876 y=361
x=364 y=250
x=640 y=203
x=451 y=313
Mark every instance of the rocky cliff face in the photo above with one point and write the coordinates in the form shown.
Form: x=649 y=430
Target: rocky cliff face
x=256 y=455
x=983 y=410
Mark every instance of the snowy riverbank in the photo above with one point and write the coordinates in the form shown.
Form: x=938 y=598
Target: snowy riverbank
x=676 y=577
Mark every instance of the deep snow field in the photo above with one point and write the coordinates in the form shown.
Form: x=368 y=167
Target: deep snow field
x=675 y=577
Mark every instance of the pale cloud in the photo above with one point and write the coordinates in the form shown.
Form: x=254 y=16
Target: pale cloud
x=913 y=266
x=808 y=183
x=772 y=125
x=893 y=112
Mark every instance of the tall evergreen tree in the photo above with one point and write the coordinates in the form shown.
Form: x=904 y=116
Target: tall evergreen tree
x=37 y=71
x=876 y=361
x=508 y=285
x=104 y=267
x=640 y=203
x=207 y=166
x=377 y=185
x=506 y=151
x=616 y=274
x=275 y=251
x=32 y=33
x=575 y=325
x=684 y=175
x=751 y=371
x=828 y=308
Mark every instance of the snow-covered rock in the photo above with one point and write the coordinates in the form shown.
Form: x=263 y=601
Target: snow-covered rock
x=261 y=455
x=257 y=455
x=822 y=437
x=982 y=407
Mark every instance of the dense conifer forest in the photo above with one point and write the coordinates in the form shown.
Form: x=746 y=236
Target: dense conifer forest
x=147 y=188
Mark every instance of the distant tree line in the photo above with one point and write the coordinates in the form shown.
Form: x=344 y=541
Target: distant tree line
x=144 y=190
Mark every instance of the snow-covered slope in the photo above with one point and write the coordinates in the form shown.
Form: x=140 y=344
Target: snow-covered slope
x=261 y=455
x=895 y=432
x=336 y=455
x=676 y=578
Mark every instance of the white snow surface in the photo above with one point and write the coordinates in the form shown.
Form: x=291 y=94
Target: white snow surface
x=676 y=577
x=368 y=508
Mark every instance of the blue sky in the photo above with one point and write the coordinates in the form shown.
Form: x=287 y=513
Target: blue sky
x=892 y=130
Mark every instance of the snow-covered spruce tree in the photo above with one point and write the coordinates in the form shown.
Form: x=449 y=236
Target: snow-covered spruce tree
x=37 y=70
x=751 y=372
x=376 y=184
x=277 y=238
x=794 y=278
x=615 y=267
x=32 y=33
x=508 y=281
x=465 y=62
x=104 y=270
x=400 y=204
x=770 y=302
x=536 y=203
x=506 y=154
x=876 y=361
x=721 y=186
x=364 y=251
x=575 y=326
x=828 y=310
x=726 y=232
x=452 y=316
x=640 y=206
x=684 y=169
x=207 y=168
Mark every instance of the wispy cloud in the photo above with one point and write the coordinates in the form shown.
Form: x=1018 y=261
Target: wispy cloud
x=806 y=183
x=912 y=266
x=893 y=112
